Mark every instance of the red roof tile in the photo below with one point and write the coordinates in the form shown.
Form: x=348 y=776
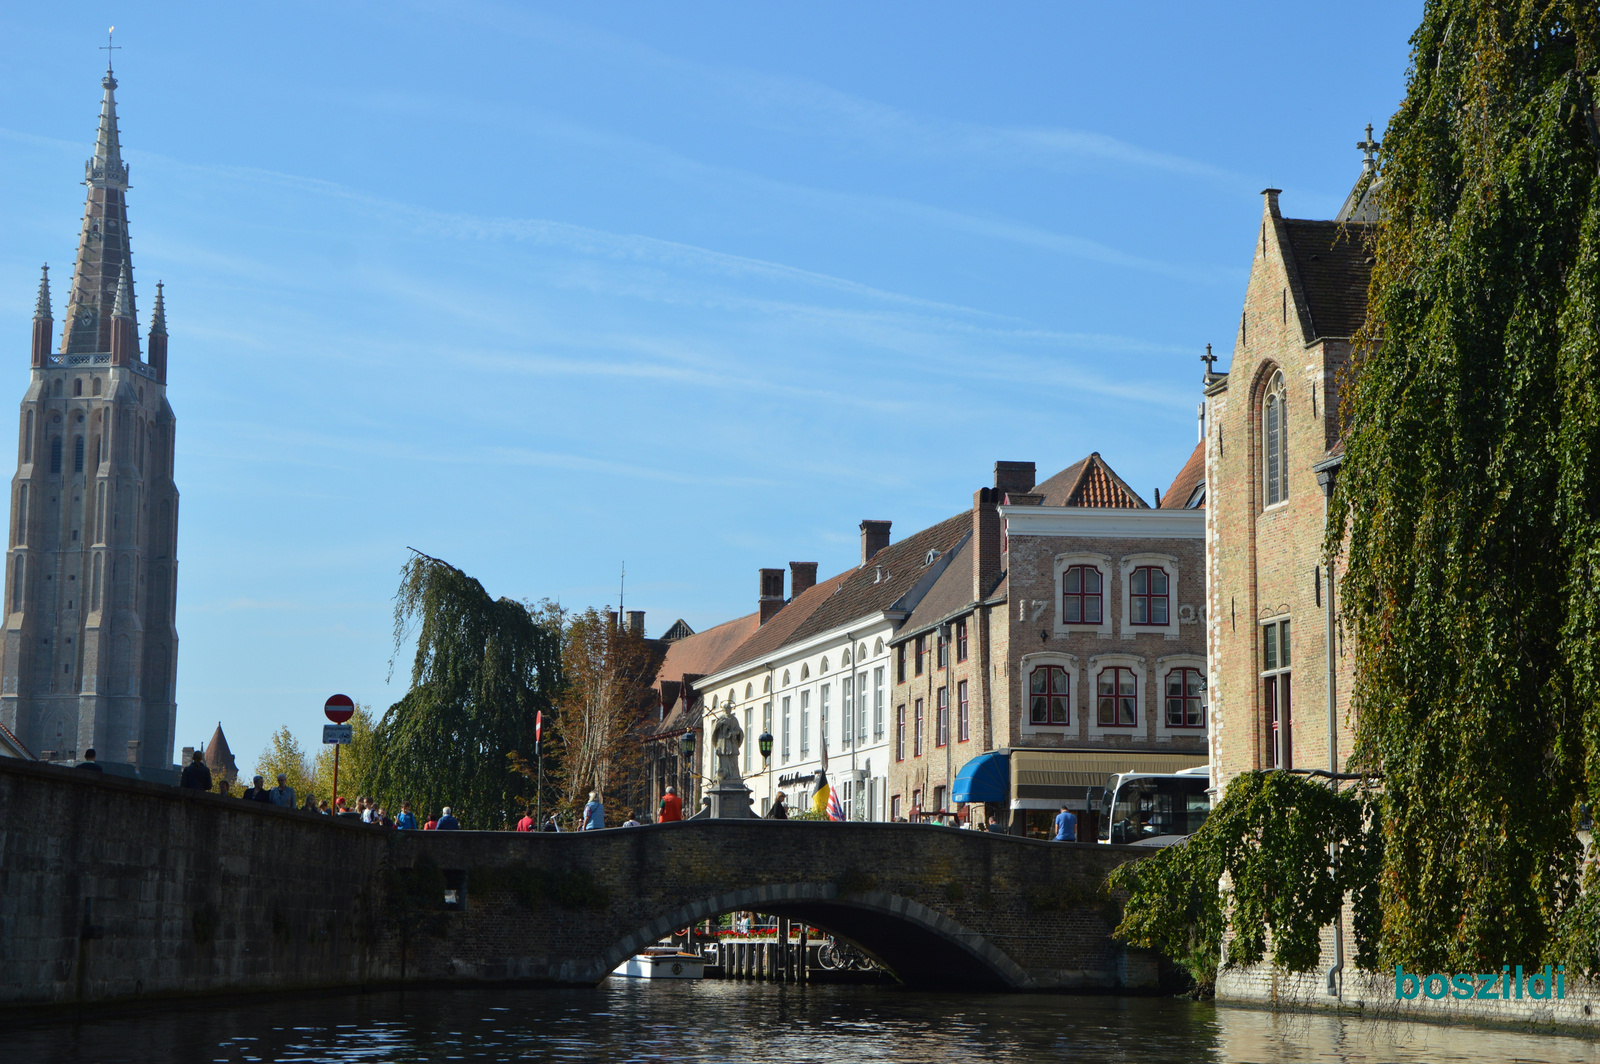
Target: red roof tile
x=1190 y=477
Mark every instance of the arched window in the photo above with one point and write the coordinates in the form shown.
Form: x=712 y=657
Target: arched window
x=27 y=440
x=824 y=667
x=16 y=585
x=844 y=658
x=1147 y=595
x=77 y=386
x=1275 y=441
x=96 y=388
x=786 y=677
x=878 y=647
x=77 y=454
x=55 y=454
x=861 y=651
x=1081 y=601
x=805 y=673
x=749 y=690
x=1048 y=696
x=22 y=514
x=58 y=386
x=95 y=599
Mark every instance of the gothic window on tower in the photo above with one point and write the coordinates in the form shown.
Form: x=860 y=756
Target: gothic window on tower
x=27 y=440
x=77 y=386
x=77 y=454
x=17 y=573
x=1275 y=441
x=55 y=454
x=22 y=514
x=96 y=389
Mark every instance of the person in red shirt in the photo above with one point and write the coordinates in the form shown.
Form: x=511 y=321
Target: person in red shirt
x=526 y=823
x=671 y=807
x=432 y=824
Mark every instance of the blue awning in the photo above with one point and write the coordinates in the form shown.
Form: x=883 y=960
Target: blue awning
x=986 y=778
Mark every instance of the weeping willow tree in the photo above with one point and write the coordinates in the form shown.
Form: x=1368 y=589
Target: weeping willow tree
x=1470 y=496
x=483 y=668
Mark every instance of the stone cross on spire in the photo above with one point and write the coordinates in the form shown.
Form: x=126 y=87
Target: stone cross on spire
x=1210 y=360
x=1370 y=148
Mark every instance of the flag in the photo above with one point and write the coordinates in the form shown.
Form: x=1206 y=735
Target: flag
x=835 y=810
x=819 y=795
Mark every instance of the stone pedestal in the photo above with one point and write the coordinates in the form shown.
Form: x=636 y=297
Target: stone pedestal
x=730 y=801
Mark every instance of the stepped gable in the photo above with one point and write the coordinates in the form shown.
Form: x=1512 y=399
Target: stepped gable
x=1181 y=495
x=1089 y=482
x=219 y=759
x=949 y=595
x=1332 y=262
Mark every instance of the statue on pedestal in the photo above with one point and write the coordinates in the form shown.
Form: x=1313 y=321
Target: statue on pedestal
x=727 y=739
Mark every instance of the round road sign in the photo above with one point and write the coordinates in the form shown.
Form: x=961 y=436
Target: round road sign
x=339 y=708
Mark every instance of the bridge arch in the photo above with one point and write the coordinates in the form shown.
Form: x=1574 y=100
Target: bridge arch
x=922 y=946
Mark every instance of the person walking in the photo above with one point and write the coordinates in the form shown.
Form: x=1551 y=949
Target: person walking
x=282 y=794
x=88 y=762
x=322 y=808
x=594 y=814
x=526 y=823
x=196 y=777
x=405 y=821
x=632 y=821
x=551 y=824
x=779 y=811
x=257 y=791
x=671 y=806
x=447 y=822
x=1066 y=826
x=310 y=805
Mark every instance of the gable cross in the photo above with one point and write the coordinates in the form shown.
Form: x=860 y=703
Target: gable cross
x=1370 y=148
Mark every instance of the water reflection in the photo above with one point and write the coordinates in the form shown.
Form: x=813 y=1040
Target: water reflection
x=717 y=1021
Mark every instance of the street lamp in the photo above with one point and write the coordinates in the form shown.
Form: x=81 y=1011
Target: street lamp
x=687 y=745
x=765 y=743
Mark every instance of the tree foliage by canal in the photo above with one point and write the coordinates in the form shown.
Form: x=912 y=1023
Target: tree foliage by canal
x=1274 y=860
x=1470 y=499
x=483 y=668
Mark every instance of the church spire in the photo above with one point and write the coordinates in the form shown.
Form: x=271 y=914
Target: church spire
x=41 y=321
x=124 y=330
x=156 y=349
x=103 y=241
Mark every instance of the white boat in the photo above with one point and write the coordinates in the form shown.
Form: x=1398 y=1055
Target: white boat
x=663 y=962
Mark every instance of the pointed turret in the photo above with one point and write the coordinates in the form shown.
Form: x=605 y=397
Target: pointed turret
x=102 y=242
x=42 y=325
x=124 y=330
x=157 y=348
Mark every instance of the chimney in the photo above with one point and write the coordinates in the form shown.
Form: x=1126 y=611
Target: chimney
x=612 y=616
x=986 y=537
x=1011 y=478
x=635 y=623
x=874 y=537
x=771 y=600
x=802 y=577
x=133 y=751
x=188 y=755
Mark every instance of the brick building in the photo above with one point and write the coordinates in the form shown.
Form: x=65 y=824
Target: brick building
x=1064 y=638
x=90 y=646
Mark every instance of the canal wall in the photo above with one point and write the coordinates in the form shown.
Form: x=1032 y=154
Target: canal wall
x=113 y=888
x=1373 y=994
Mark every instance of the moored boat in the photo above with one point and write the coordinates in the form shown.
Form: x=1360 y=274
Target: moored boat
x=663 y=962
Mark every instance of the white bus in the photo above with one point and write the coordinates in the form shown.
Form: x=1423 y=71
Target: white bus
x=1154 y=809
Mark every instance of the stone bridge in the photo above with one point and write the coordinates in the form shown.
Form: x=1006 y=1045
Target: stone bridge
x=114 y=889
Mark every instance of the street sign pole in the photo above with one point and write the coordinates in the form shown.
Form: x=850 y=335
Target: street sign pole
x=339 y=709
x=335 y=807
x=538 y=756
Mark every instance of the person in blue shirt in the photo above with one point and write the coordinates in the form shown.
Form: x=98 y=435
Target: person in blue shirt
x=405 y=821
x=594 y=814
x=1066 y=826
x=447 y=822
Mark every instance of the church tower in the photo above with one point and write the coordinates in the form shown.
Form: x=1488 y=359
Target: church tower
x=90 y=646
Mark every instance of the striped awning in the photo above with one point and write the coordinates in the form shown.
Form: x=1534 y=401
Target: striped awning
x=1042 y=777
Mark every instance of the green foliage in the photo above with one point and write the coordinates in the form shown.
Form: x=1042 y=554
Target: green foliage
x=606 y=677
x=1470 y=498
x=357 y=759
x=1287 y=848
x=284 y=754
x=482 y=669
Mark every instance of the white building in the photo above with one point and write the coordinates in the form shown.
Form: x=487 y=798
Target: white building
x=815 y=673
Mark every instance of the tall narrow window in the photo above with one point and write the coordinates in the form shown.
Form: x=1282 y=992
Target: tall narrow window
x=27 y=439
x=1183 y=699
x=766 y=717
x=847 y=706
x=916 y=732
x=1276 y=692
x=785 y=729
x=22 y=514
x=95 y=598
x=900 y=733
x=1049 y=700
x=861 y=713
x=941 y=721
x=749 y=740
x=943 y=648
x=17 y=574
x=77 y=454
x=961 y=640
x=900 y=663
x=1275 y=441
x=922 y=650
x=1117 y=698
x=55 y=454
x=805 y=724
x=1148 y=596
x=1080 y=596
x=77 y=386
x=963 y=719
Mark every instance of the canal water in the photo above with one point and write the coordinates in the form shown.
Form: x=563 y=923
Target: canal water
x=630 y=1020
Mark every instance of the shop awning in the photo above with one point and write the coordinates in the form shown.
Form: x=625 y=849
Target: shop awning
x=1043 y=779
x=986 y=778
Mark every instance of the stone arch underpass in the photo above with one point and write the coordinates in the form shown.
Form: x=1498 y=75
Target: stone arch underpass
x=938 y=906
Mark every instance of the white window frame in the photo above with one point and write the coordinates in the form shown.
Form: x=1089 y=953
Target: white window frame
x=1091 y=699
x=1125 y=567
x=1101 y=562
x=1164 y=666
x=1070 y=662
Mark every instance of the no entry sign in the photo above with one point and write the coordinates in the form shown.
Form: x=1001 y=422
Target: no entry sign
x=339 y=708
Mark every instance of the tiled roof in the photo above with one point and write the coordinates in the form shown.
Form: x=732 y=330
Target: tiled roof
x=1189 y=477
x=1334 y=264
x=1090 y=482
x=892 y=574
x=704 y=652
x=680 y=630
x=949 y=594
x=8 y=739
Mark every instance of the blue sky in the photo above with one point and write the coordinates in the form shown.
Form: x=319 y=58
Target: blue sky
x=543 y=288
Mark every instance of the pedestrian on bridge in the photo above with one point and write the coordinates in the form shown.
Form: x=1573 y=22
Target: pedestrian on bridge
x=779 y=811
x=1066 y=825
x=671 y=806
x=282 y=794
x=594 y=814
x=406 y=821
x=447 y=822
x=196 y=777
x=526 y=823
x=257 y=791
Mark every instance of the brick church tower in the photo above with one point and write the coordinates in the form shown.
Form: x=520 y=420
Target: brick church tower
x=90 y=646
